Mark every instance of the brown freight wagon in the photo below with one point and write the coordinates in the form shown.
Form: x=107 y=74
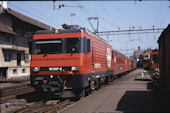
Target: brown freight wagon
x=164 y=55
x=154 y=64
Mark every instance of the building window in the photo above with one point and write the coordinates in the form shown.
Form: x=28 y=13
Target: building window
x=25 y=41
x=125 y=61
x=26 y=58
x=7 y=57
x=6 y=38
x=14 y=71
x=23 y=71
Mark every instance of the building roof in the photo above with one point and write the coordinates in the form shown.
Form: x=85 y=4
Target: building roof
x=138 y=53
x=5 y=29
x=28 y=19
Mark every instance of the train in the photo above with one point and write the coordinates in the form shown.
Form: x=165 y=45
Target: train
x=154 y=65
x=68 y=62
x=164 y=60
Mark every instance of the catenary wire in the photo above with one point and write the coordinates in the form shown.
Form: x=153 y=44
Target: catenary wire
x=32 y=14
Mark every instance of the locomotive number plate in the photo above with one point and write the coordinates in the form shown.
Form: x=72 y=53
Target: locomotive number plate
x=55 y=69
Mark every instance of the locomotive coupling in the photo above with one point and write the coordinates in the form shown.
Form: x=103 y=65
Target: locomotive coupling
x=38 y=82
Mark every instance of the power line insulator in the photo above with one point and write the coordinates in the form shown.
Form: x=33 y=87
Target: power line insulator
x=59 y=6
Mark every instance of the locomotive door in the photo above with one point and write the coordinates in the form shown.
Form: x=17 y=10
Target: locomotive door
x=92 y=58
x=89 y=61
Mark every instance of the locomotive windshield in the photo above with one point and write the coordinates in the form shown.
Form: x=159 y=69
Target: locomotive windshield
x=72 y=45
x=48 y=46
x=53 y=46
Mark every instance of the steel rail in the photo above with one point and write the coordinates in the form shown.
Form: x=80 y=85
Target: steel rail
x=12 y=95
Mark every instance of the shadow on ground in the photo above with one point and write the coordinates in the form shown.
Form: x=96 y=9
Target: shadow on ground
x=152 y=100
x=141 y=101
x=34 y=97
x=143 y=79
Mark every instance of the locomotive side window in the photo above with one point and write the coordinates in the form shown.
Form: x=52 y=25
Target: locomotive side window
x=88 y=45
x=112 y=54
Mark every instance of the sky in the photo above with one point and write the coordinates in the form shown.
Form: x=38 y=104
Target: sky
x=113 y=16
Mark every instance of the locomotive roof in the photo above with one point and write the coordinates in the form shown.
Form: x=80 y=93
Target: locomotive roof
x=72 y=30
x=123 y=55
x=76 y=30
x=119 y=53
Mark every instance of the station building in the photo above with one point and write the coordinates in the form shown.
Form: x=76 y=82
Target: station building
x=16 y=32
x=138 y=55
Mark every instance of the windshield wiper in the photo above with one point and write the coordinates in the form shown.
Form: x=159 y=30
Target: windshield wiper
x=45 y=55
x=72 y=51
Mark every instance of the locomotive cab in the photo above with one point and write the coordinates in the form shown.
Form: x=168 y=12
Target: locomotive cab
x=57 y=63
x=69 y=61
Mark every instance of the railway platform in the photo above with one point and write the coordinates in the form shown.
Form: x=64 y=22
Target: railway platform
x=130 y=93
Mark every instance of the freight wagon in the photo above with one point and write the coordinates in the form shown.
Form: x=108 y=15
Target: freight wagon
x=164 y=59
x=154 y=65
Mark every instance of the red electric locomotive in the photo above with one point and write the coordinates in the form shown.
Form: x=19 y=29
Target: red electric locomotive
x=67 y=62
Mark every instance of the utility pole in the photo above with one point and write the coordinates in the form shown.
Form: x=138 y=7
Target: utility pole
x=54 y=5
x=72 y=14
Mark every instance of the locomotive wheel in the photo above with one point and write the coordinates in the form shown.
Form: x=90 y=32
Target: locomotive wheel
x=106 y=80
x=92 y=85
x=111 y=78
x=97 y=84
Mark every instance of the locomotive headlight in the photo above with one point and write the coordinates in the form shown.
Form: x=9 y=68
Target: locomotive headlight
x=35 y=69
x=75 y=68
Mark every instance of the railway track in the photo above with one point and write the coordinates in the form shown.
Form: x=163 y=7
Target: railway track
x=45 y=106
x=12 y=94
x=41 y=105
x=50 y=106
